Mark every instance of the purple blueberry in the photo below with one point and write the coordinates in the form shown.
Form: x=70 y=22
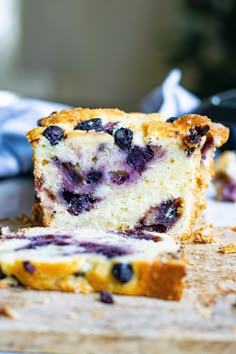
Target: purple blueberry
x=139 y=156
x=106 y=297
x=91 y=124
x=123 y=138
x=93 y=176
x=196 y=133
x=29 y=267
x=162 y=217
x=54 y=134
x=78 y=203
x=123 y=272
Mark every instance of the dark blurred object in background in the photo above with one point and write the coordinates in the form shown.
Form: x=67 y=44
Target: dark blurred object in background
x=222 y=108
x=204 y=46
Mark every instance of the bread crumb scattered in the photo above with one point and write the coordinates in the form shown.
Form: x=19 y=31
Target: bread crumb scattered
x=8 y=312
x=228 y=249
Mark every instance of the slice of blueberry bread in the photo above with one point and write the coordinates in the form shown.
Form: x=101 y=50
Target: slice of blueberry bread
x=113 y=170
x=86 y=260
x=225 y=176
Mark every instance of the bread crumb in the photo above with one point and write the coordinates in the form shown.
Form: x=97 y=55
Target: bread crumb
x=203 y=234
x=8 y=312
x=228 y=249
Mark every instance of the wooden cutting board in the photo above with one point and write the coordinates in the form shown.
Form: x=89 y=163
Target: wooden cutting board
x=204 y=321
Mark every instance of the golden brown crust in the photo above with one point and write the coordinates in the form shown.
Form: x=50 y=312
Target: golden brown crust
x=155 y=125
x=161 y=279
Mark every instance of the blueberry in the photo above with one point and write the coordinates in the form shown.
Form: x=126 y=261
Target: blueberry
x=93 y=176
x=161 y=217
x=123 y=138
x=171 y=119
x=106 y=297
x=122 y=272
x=78 y=203
x=196 y=133
x=29 y=266
x=91 y=124
x=54 y=134
x=139 y=156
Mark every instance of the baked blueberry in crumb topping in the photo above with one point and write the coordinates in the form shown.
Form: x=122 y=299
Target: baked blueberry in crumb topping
x=78 y=203
x=172 y=119
x=91 y=124
x=123 y=272
x=106 y=297
x=29 y=267
x=162 y=217
x=139 y=156
x=54 y=134
x=123 y=138
x=93 y=176
x=196 y=133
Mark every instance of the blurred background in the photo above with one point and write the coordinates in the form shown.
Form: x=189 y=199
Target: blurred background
x=112 y=53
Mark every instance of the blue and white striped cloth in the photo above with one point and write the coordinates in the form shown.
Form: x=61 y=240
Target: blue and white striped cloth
x=18 y=115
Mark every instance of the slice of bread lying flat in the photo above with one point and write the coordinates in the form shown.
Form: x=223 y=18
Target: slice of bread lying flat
x=87 y=260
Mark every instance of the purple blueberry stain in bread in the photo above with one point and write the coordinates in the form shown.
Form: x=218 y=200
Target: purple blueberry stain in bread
x=109 y=127
x=106 y=250
x=94 y=176
x=80 y=247
x=53 y=134
x=139 y=156
x=123 y=138
x=162 y=217
x=106 y=297
x=28 y=266
x=139 y=235
x=119 y=177
x=123 y=272
x=91 y=124
x=78 y=203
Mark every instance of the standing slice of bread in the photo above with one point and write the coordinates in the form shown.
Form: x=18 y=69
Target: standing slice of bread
x=112 y=170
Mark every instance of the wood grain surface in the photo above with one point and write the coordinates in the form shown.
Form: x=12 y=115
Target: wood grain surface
x=204 y=321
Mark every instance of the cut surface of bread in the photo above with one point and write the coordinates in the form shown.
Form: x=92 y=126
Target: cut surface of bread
x=87 y=260
x=112 y=170
x=225 y=176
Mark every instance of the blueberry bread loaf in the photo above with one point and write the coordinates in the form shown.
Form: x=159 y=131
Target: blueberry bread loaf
x=113 y=170
x=85 y=260
x=225 y=176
